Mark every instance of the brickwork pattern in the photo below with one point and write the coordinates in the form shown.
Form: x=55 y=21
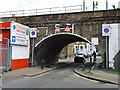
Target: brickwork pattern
x=87 y=24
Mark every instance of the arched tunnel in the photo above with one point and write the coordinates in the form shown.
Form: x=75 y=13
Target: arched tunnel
x=50 y=47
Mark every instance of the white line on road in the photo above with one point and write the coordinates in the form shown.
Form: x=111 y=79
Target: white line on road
x=40 y=75
x=85 y=78
x=92 y=80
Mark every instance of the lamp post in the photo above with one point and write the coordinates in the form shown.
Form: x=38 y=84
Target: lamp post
x=106 y=4
x=95 y=4
x=83 y=5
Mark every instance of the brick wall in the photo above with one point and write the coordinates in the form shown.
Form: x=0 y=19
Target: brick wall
x=87 y=24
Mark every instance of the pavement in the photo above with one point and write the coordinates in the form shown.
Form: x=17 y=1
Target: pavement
x=36 y=70
x=97 y=73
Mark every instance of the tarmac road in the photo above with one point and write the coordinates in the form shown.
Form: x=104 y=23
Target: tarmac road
x=59 y=78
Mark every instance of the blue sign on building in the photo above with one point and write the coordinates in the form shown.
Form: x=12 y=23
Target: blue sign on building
x=13 y=38
x=14 y=27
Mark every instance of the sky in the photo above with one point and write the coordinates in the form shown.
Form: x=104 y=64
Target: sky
x=11 y=5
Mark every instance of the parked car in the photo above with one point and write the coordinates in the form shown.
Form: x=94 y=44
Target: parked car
x=79 y=58
x=86 y=55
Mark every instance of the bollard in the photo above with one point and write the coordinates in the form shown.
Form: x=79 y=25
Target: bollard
x=91 y=68
x=90 y=59
x=83 y=65
x=42 y=64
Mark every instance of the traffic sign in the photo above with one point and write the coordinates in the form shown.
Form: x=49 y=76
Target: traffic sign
x=33 y=32
x=106 y=29
x=95 y=41
x=67 y=29
x=57 y=29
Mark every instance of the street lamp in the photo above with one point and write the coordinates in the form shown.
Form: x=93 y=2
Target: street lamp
x=95 y=4
x=106 y=4
x=83 y=5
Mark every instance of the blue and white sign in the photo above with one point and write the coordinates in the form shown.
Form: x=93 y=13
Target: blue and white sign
x=33 y=32
x=14 y=27
x=106 y=29
x=19 y=34
x=14 y=39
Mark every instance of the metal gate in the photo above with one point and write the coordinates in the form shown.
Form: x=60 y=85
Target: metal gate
x=5 y=60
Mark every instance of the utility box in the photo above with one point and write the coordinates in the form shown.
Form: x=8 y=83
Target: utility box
x=19 y=43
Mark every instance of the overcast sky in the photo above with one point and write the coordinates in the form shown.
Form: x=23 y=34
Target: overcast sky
x=11 y=5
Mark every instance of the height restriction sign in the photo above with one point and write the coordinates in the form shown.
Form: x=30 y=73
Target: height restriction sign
x=106 y=29
x=57 y=29
x=67 y=29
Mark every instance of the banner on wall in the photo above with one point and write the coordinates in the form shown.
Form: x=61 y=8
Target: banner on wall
x=19 y=34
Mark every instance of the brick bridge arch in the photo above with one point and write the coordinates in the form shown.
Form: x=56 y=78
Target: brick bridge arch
x=49 y=47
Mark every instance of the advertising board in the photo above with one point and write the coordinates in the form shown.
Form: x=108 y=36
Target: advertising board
x=19 y=34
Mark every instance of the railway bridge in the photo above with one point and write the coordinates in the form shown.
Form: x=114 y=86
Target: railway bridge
x=87 y=25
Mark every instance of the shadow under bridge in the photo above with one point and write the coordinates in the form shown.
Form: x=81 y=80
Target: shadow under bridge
x=49 y=47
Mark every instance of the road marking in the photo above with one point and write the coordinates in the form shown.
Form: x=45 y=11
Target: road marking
x=40 y=75
x=84 y=78
x=93 y=80
x=37 y=75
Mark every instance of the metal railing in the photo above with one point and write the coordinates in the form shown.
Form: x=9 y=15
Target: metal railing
x=54 y=10
x=5 y=61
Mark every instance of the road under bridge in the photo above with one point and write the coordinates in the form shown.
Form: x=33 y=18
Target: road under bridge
x=49 y=47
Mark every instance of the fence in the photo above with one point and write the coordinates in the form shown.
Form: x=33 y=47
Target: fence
x=54 y=10
x=5 y=64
